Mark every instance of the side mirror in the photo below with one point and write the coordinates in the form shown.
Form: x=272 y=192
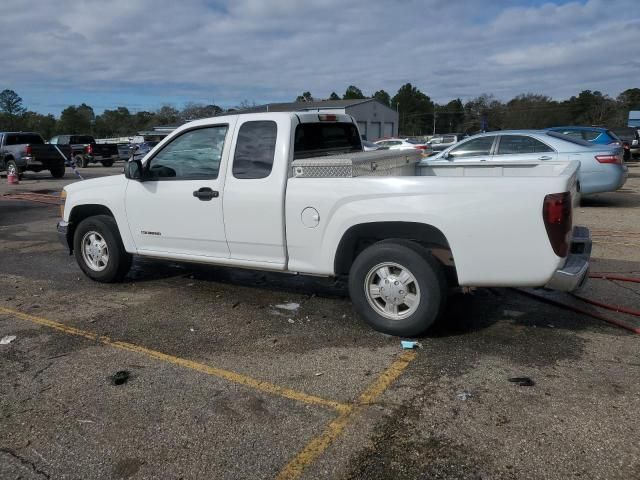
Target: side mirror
x=133 y=170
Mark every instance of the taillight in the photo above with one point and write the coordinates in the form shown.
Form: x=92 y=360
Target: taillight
x=328 y=118
x=608 y=159
x=422 y=147
x=28 y=150
x=89 y=149
x=556 y=212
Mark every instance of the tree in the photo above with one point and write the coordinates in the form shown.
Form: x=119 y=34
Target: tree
x=305 y=97
x=11 y=106
x=383 y=97
x=192 y=111
x=167 y=115
x=630 y=99
x=334 y=96
x=353 y=93
x=36 y=122
x=534 y=111
x=592 y=108
x=450 y=117
x=483 y=113
x=416 y=110
x=78 y=119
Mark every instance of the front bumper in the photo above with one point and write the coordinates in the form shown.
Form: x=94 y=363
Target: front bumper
x=63 y=233
x=573 y=274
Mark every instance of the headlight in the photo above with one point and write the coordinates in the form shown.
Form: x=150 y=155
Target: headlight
x=63 y=198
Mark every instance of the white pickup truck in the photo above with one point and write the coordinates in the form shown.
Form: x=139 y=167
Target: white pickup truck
x=293 y=192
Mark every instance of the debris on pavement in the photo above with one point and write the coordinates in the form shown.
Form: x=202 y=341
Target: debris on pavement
x=464 y=396
x=317 y=374
x=410 y=344
x=121 y=377
x=291 y=306
x=291 y=320
x=6 y=340
x=522 y=381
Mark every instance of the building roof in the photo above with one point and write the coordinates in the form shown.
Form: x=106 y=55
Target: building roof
x=301 y=106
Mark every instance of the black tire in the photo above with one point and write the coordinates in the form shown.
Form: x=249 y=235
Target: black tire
x=12 y=165
x=107 y=163
x=429 y=277
x=80 y=161
x=57 y=172
x=119 y=261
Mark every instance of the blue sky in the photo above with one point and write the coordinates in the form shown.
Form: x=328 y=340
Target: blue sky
x=145 y=53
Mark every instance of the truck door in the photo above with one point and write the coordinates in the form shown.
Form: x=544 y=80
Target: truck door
x=177 y=210
x=255 y=190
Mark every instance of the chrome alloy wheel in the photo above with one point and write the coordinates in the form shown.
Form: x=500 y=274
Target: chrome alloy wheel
x=11 y=169
x=392 y=290
x=95 y=252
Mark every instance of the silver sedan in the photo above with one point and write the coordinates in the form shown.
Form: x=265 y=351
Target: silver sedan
x=601 y=166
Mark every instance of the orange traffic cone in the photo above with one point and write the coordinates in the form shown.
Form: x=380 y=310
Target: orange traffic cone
x=12 y=178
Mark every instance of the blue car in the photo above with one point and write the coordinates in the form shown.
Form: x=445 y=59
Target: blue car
x=597 y=135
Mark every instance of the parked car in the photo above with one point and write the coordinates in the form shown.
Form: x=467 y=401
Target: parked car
x=403 y=144
x=630 y=141
x=124 y=151
x=402 y=233
x=597 y=135
x=83 y=150
x=22 y=151
x=442 y=142
x=139 y=150
x=602 y=168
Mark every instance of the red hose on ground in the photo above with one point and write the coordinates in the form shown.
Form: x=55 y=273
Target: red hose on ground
x=614 y=308
x=566 y=306
x=607 y=276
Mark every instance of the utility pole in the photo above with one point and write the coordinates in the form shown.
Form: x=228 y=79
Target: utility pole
x=434 y=121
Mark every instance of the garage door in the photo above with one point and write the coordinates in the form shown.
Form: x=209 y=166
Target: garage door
x=362 y=126
x=388 y=129
x=375 y=131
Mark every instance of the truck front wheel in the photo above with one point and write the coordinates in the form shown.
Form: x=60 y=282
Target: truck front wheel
x=398 y=287
x=99 y=250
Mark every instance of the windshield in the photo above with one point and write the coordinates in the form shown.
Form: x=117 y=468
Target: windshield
x=320 y=139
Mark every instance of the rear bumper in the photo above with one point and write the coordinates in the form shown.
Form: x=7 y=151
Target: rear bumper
x=37 y=163
x=573 y=274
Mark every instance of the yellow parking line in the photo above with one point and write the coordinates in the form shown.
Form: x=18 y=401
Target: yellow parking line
x=319 y=444
x=234 y=377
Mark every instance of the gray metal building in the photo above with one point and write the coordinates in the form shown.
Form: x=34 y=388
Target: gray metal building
x=375 y=120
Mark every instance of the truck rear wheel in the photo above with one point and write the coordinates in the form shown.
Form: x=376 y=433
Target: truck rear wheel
x=12 y=168
x=99 y=250
x=80 y=161
x=57 y=172
x=398 y=287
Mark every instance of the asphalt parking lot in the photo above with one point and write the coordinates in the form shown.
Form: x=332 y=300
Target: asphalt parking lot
x=236 y=374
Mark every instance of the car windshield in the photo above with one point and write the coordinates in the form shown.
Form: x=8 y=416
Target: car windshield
x=320 y=139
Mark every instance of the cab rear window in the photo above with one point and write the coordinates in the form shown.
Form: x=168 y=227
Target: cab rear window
x=319 y=139
x=23 y=139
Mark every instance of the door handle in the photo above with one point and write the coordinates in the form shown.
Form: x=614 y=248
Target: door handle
x=544 y=157
x=205 y=194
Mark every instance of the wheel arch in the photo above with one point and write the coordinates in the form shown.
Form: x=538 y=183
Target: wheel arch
x=360 y=236
x=79 y=213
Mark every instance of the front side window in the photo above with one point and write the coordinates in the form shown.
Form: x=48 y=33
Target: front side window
x=255 y=150
x=520 y=144
x=473 y=148
x=196 y=154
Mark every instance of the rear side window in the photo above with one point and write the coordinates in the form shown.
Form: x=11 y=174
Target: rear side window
x=23 y=138
x=520 y=144
x=318 y=139
x=473 y=148
x=255 y=150
x=590 y=135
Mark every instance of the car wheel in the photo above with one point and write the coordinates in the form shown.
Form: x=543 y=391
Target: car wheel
x=57 y=172
x=99 y=250
x=107 y=163
x=398 y=287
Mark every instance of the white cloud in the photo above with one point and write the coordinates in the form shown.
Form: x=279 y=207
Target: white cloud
x=273 y=50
